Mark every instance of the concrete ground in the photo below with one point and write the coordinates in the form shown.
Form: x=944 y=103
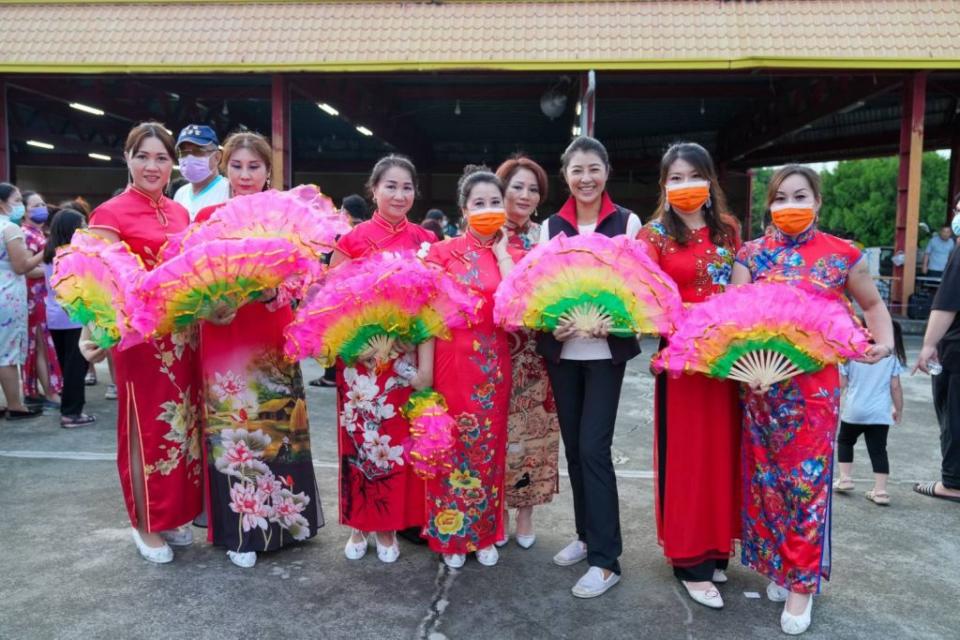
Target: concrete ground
x=68 y=568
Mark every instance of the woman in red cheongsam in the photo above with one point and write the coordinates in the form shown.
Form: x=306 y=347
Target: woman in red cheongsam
x=789 y=430
x=697 y=419
x=158 y=435
x=378 y=492
x=472 y=371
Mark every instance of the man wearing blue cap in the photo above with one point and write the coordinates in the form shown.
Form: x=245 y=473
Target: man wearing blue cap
x=199 y=152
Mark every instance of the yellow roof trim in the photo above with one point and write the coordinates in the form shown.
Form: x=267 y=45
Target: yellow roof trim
x=503 y=65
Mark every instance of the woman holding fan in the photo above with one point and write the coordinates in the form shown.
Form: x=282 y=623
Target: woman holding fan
x=254 y=401
x=789 y=429
x=694 y=240
x=378 y=493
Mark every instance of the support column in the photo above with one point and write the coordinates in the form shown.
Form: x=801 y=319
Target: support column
x=953 y=184
x=282 y=174
x=4 y=135
x=588 y=102
x=913 y=106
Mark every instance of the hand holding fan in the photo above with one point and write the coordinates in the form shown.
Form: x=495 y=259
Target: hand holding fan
x=94 y=281
x=591 y=282
x=198 y=283
x=365 y=308
x=762 y=334
x=431 y=434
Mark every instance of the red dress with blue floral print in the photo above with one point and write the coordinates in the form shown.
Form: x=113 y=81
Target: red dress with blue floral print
x=789 y=431
x=697 y=419
x=472 y=371
x=37 y=323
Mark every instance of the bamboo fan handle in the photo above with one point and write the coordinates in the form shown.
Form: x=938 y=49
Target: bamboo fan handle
x=763 y=368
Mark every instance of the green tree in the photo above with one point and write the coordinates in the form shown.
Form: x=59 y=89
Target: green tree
x=758 y=204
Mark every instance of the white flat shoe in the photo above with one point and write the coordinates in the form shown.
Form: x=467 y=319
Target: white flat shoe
x=503 y=541
x=719 y=576
x=179 y=537
x=795 y=625
x=571 y=554
x=244 y=560
x=158 y=555
x=388 y=554
x=488 y=557
x=709 y=598
x=593 y=584
x=526 y=541
x=776 y=593
x=454 y=560
x=355 y=550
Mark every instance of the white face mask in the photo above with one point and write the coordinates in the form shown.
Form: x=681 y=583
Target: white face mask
x=955 y=225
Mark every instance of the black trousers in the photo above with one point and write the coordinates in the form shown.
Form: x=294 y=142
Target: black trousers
x=587 y=394
x=66 y=342
x=946 y=402
x=876 y=437
x=702 y=572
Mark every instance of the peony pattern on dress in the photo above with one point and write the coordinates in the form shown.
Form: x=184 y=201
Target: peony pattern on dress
x=365 y=407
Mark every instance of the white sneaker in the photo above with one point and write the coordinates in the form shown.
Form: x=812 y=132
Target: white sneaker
x=243 y=560
x=488 y=556
x=709 y=598
x=719 y=576
x=593 y=584
x=159 y=555
x=355 y=550
x=386 y=553
x=776 y=593
x=179 y=537
x=454 y=560
x=111 y=392
x=571 y=554
x=795 y=625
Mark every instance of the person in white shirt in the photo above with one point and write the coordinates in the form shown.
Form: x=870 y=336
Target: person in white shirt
x=198 y=149
x=873 y=401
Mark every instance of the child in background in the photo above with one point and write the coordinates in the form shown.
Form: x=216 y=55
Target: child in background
x=873 y=401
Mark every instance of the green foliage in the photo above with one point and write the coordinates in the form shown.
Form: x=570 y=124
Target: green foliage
x=758 y=204
x=860 y=198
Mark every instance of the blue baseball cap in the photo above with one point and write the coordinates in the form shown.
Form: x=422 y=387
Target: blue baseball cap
x=199 y=134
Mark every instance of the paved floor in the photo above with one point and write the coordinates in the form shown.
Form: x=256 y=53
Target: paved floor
x=69 y=570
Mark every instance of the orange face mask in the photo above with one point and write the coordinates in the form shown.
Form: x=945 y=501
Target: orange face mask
x=487 y=223
x=792 y=219
x=688 y=197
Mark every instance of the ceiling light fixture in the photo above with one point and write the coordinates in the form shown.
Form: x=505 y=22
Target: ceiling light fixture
x=40 y=145
x=328 y=109
x=99 y=156
x=362 y=129
x=79 y=106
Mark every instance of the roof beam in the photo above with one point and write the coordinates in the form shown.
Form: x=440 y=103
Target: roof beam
x=798 y=108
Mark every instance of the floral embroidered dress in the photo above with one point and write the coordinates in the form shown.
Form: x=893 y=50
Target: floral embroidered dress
x=378 y=492
x=261 y=488
x=13 y=301
x=37 y=319
x=789 y=431
x=158 y=394
x=697 y=419
x=472 y=371
x=533 y=431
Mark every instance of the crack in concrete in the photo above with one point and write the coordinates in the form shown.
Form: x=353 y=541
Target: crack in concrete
x=689 y=611
x=430 y=624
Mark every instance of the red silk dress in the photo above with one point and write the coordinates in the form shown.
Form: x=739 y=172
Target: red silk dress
x=37 y=319
x=158 y=393
x=378 y=492
x=789 y=431
x=261 y=488
x=697 y=420
x=472 y=371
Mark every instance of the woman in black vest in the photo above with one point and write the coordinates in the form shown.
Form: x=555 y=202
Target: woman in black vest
x=586 y=373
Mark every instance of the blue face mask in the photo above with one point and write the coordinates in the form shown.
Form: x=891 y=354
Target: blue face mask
x=16 y=214
x=39 y=215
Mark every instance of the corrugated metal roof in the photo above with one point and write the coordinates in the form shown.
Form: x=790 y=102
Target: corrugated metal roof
x=366 y=36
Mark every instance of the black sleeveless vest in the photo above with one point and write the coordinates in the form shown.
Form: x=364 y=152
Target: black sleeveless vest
x=622 y=349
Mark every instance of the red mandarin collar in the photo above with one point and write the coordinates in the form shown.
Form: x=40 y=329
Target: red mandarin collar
x=476 y=242
x=569 y=209
x=386 y=224
x=158 y=206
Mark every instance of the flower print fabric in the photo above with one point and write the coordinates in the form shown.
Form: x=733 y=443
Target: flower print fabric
x=37 y=327
x=789 y=431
